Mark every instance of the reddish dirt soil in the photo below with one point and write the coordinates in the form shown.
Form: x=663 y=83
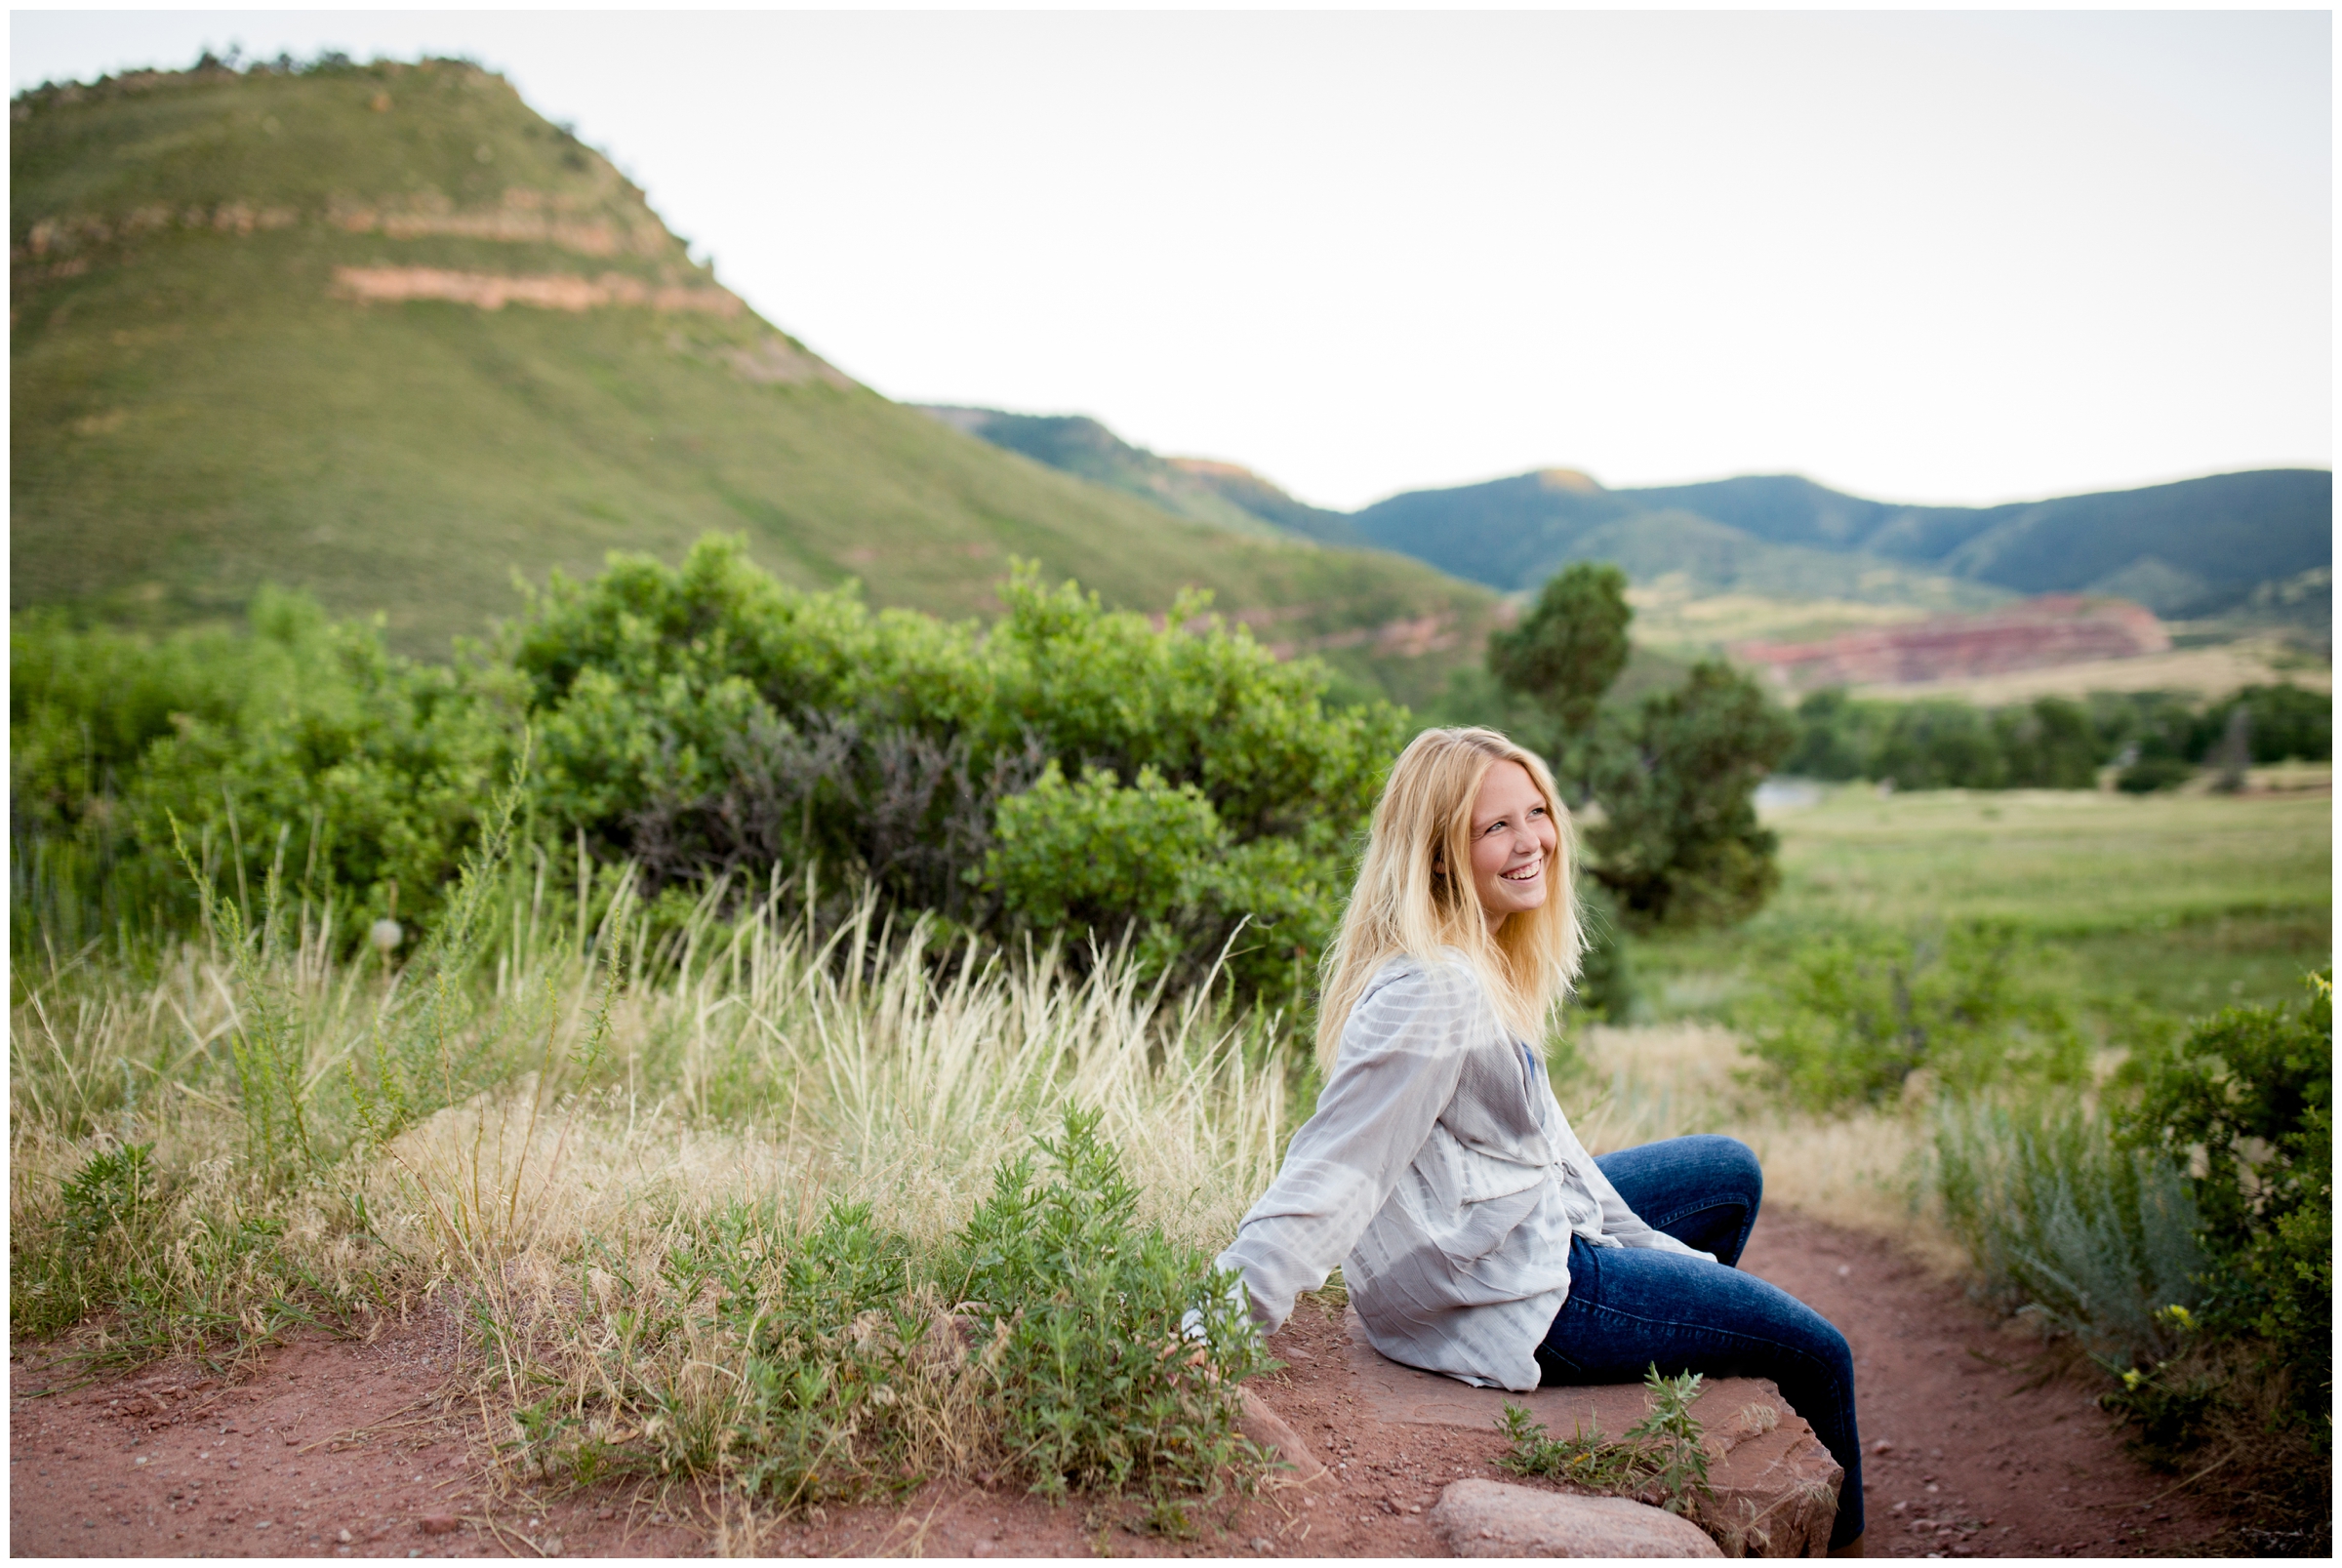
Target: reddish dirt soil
x=337 y=1448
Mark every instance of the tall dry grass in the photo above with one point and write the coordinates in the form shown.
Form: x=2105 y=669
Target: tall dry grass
x=1865 y=1169
x=591 y=1139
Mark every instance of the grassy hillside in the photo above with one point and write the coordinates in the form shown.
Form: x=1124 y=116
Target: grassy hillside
x=386 y=333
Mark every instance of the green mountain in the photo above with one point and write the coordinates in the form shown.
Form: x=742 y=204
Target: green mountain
x=2199 y=547
x=385 y=334
x=2257 y=545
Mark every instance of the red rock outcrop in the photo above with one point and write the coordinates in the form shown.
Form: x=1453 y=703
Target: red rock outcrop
x=2056 y=628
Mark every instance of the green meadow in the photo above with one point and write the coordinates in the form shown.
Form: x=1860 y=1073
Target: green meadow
x=2182 y=903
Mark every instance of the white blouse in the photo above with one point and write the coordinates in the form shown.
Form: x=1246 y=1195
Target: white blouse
x=1439 y=1172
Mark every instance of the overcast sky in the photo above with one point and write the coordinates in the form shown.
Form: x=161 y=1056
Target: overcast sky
x=1923 y=257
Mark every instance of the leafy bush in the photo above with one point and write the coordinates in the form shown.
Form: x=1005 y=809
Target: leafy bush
x=301 y=747
x=1853 y=1017
x=2150 y=773
x=702 y=722
x=1096 y=1386
x=2244 y=1103
x=2288 y=722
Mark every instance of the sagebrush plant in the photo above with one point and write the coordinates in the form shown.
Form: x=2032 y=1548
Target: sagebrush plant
x=2061 y=1219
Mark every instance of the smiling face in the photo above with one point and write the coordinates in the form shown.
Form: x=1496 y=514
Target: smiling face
x=1513 y=843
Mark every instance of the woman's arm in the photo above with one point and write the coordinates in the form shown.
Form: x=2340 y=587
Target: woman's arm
x=1402 y=1054
x=1618 y=1220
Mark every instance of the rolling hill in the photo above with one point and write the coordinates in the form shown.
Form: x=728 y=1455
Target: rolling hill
x=1208 y=491
x=385 y=334
x=2253 y=546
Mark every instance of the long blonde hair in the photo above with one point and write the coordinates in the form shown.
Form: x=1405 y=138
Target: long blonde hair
x=1415 y=893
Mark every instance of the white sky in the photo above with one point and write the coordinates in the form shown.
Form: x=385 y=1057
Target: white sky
x=1949 y=257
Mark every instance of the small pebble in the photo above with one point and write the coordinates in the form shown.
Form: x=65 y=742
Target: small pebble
x=343 y=1535
x=1262 y=1543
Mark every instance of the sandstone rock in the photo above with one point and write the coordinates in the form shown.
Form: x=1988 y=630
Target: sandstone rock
x=1270 y=1430
x=1490 y=1519
x=1775 y=1486
x=437 y=1524
x=2055 y=629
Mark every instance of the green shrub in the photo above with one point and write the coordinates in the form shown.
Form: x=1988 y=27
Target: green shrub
x=1091 y=852
x=300 y=746
x=1853 y=1017
x=1096 y=1388
x=2150 y=773
x=1940 y=745
x=2245 y=1102
x=2288 y=723
x=702 y=723
x=2049 y=744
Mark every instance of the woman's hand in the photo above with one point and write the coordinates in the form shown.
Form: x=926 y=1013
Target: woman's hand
x=1232 y=1315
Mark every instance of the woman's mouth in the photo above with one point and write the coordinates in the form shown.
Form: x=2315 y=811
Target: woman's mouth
x=1527 y=873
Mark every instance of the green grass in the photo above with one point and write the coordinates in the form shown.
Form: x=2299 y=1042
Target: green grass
x=196 y=410
x=2179 y=904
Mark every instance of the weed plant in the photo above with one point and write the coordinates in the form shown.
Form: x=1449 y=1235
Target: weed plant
x=1658 y=1460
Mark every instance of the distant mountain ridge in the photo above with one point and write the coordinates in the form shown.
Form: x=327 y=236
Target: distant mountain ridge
x=1208 y=491
x=2258 y=543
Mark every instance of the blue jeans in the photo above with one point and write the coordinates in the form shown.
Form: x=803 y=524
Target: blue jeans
x=1631 y=1307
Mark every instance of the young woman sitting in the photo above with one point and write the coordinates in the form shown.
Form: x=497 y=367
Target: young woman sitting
x=1475 y=1234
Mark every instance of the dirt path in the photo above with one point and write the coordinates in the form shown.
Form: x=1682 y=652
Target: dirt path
x=1981 y=1458
x=336 y=1448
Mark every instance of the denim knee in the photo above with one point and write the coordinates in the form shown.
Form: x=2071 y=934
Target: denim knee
x=1733 y=1164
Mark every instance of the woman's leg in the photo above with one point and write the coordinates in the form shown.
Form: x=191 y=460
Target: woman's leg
x=1703 y=1190
x=1632 y=1308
